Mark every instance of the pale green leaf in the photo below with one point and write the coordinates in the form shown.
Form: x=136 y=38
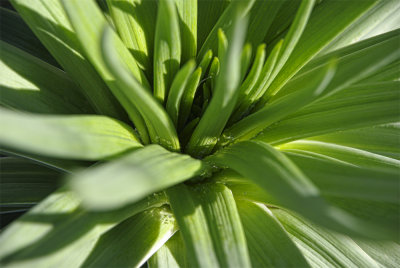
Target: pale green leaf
x=187 y=11
x=167 y=48
x=32 y=85
x=320 y=247
x=225 y=94
x=58 y=232
x=208 y=219
x=170 y=255
x=48 y=21
x=386 y=253
x=134 y=176
x=133 y=241
x=177 y=90
x=245 y=60
x=89 y=137
x=269 y=244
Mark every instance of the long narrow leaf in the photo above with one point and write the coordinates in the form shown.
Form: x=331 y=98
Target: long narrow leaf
x=187 y=10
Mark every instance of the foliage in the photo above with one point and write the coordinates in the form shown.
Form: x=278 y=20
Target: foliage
x=184 y=133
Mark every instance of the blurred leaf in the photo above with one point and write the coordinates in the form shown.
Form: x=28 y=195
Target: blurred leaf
x=211 y=229
x=159 y=124
x=15 y=32
x=236 y=10
x=86 y=18
x=320 y=247
x=50 y=24
x=24 y=183
x=268 y=243
x=177 y=90
x=226 y=90
x=135 y=23
x=133 y=241
x=32 y=85
x=167 y=48
x=134 y=176
x=83 y=137
x=57 y=232
x=356 y=107
x=382 y=140
x=171 y=254
x=290 y=187
x=328 y=20
x=187 y=10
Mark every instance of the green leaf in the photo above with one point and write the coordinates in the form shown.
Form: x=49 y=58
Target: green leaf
x=245 y=60
x=291 y=39
x=356 y=157
x=309 y=91
x=225 y=94
x=167 y=48
x=187 y=10
x=87 y=18
x=205 y=62
x=384 y=252
x=135 y=176
x=328 y=20
x=336 y=179
x=89 y=137
x=161 y=128
x=208 y=219
x=320 y=247
x=364 y=26
x=188 y=97
x=269 y=244
x=48 y=21
x=15 y=32
x=177 y=90
x=58 y=227
x=236 y=10
x=382 y=140
x=32 y=85
x=133 y=241
x=290 y=187
x=171 y=254
x=259 y=22
x=356 y=107
x=135 y=23
x=24 y=183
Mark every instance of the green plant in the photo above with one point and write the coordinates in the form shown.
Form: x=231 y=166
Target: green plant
x=182 y=147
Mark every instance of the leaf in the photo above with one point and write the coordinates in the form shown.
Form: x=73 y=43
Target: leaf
x=171 y=254
x=290 y=187
x=329 y=19
x=135 y=23
x=15 y=32
x=225 y=94
x=187 y=10
x=59 y=227
x=89 y=137
x=50 y=24
x=363 y=27
x=290 y=41
x=236 y=10
x=359 y=106
x=32 y=85
x=24 y=183
x=135 y=176
x=133 y=241
x=382 y=140
x=268 y=243
x=87 y=18
x=210 y=225
x=245 y=60
x=188 y=97
x=309 y=91
x=161 y=128
x=320 y=247
x=205 y=62
x=167 y=48
x=384 y=252
x=356 y=157
x=177 y=90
